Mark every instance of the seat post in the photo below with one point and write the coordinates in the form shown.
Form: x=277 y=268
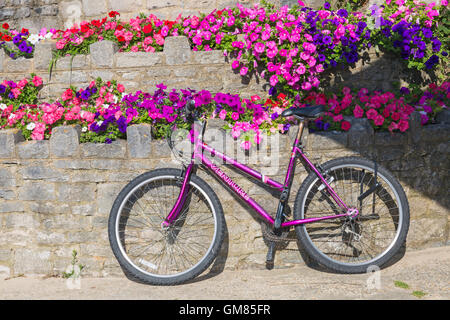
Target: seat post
x=301 y=127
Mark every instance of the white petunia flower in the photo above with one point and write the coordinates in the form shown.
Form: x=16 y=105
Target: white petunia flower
x=84 y=129
x=31 y=126
x=33 y=39
x=3 y=106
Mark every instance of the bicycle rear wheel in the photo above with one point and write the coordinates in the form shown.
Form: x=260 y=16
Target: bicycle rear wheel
x=162 y=255
x=353 y=245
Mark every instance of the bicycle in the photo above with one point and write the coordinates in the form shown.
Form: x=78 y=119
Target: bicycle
x=167 y=226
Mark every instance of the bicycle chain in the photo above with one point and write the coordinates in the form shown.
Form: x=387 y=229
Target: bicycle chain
x=269 y=235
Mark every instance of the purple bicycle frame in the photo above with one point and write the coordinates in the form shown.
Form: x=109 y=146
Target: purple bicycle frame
x=296 y=150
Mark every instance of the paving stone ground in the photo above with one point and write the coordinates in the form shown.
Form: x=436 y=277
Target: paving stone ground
x=426 y=271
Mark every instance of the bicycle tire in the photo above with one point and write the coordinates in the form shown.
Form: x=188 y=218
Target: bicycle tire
x=118 y=248
x=312 y=249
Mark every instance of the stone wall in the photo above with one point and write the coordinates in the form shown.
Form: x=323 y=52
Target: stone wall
x=55 y=196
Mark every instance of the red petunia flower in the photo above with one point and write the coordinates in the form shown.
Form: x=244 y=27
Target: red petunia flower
x=148 y=28
x=121 y=39
x=85 y=28
x=345 y=125
x=112 y=14
x=5 y=26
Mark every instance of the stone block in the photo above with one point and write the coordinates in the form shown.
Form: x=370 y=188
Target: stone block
x=117 y=149
x=7 y=194
x=415 y=128
x=177 y=50
x=327 y=140
x=102 y=53
x=107 y=193
x=390 y=139
x=125 y=5
x=157 y=4
x=72 y=62
x=139 y=140
x=361 y=133
x=2 y=60
x=208 y=57
x=5 y=272
x=42 y=172
x=76 y=192
x=7 y=178
x=94 y=8
x=49 y=207
x=36 y=149
x=84 y=209
x=72 y=164
x=8 y=140
x=5 y=254
x=19 y=65
x=11 y=206
x=32 y=261
x=65 y=141
x=22 y=220
x=70 y=77
x=435 y=132
x=43 y=54
x=442 y=117
x=138 y=59
x=36 y=191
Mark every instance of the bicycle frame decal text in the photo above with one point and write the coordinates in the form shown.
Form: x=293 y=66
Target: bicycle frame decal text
x=230 y=182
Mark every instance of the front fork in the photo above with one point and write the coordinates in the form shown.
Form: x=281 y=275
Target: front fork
x=181 y=200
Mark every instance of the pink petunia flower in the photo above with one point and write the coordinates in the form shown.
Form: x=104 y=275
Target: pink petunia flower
x=37 y=81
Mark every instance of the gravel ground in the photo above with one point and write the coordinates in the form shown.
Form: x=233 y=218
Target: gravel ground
x=426 y=271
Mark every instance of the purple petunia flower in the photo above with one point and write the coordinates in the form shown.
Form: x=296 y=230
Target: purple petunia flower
x=272 y=91
x=342 y=13
x=434 y=59
x=85 y=94
x=404 y=90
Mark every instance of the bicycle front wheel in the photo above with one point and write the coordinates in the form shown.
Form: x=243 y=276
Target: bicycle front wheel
x=348 y=245
x=161 y=255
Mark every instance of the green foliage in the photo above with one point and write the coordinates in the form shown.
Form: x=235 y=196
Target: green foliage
x=75 y=262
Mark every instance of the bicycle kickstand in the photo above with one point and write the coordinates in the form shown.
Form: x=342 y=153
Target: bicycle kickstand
x=270 y=255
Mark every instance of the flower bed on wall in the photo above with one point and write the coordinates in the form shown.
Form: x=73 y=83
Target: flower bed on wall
x=290 y=47
x=104 y=110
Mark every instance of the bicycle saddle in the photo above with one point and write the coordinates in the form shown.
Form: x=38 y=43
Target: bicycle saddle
x=306 y=112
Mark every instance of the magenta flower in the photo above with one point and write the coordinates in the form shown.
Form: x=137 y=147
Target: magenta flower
x=358 y=112
x=260 y=47
x=244 y=71
x=273 y=80
x=246 y=145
